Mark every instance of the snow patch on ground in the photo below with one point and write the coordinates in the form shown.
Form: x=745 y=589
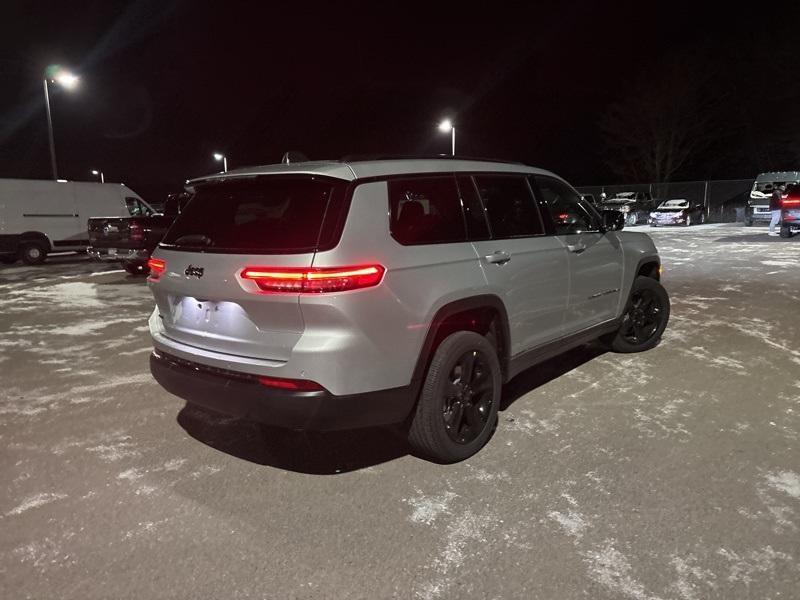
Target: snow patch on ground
x=743 y=568
x=573 y=523
x=428 y=508
x=34 y=502
x=691 y=577
x=787 y=482
x=611 y=569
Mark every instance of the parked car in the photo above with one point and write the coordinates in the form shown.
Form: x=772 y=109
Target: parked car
x=678 y=212
x=38 y=217
x=131 y=240
x=636 y=206
x=757 y=209
x=790 y=211
x=336 y=295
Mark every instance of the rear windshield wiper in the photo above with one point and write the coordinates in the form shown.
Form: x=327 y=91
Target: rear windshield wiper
x=195 y=239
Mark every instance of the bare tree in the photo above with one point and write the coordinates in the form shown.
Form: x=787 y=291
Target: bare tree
x=662 y=123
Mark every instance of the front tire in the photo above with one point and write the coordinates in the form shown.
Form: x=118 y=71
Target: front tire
x=457 y=409
x=645 y=317
x=32 y=253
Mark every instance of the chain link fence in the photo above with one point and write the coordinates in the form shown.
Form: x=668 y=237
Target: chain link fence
x=724 y=199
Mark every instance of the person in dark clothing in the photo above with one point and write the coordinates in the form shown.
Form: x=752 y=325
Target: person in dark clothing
x=775 y=207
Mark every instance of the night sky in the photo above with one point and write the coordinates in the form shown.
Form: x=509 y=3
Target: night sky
x=165 y=84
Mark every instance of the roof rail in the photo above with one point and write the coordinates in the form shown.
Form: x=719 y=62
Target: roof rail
x=370 y=157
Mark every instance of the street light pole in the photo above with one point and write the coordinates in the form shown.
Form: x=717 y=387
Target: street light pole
x=445 y=127
x=50 y=131
x=102 y=178
x=224 y=159
x=67 y=80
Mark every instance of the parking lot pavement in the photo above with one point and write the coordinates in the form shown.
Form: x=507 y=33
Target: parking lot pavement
x=669 y=474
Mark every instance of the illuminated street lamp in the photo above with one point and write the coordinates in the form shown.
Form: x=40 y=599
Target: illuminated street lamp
x=218 y=156
x=66 y=80
x=102 y=179
x=446 y=126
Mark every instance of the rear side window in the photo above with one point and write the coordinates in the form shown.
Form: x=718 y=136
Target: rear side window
x=425 y=210
x=509 y=206
x=270 y=215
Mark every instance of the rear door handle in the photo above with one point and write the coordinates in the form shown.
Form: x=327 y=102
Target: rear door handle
x=577 y=248
x=498 y=258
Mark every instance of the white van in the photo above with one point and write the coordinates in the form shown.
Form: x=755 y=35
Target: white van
x=37 y=217
x=757 y=208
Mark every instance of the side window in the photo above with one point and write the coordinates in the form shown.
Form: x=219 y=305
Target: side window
x=509 y=206
x=477 y=229
x=570 y=212
x=136 y=208
x=425 y=210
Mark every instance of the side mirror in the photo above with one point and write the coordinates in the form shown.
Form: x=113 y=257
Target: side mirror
x=613 y=220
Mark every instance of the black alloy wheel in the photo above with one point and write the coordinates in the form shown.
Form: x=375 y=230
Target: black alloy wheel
x=644 y=320
x=469 y=395
x=643 y=317
x=456 y=412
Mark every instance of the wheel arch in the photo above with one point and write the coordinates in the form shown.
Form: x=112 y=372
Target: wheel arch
x=649 y=266
x=35 y=236
x=482 y=314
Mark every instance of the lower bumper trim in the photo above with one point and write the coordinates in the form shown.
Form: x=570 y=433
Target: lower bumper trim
x=240 y=395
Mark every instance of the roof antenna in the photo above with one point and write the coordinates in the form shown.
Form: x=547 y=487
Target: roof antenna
x=293 y=156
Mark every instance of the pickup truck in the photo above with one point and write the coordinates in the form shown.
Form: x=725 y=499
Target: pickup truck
x=131 y=240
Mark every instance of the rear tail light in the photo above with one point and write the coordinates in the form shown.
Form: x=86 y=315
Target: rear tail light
x=315 y=280
x=792 y=202
x=135 y=232
x=157 y=268
x=298 y=385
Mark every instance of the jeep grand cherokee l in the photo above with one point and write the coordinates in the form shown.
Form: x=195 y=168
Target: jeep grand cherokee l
x=338 y=295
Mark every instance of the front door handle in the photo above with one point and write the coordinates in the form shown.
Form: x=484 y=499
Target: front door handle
x=576 y=248
x=498 y=258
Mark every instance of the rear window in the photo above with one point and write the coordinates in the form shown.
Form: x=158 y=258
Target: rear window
x=269 y=215
x=426 y=210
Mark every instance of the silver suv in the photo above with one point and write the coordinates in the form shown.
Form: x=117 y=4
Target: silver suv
x=337 y=295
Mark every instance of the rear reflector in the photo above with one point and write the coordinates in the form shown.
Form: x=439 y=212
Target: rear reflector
x=313 y=281
x=300 y=385
x=157 y=268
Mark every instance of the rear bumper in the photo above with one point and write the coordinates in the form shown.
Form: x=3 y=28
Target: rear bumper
x=121 y=254
x=240 y=395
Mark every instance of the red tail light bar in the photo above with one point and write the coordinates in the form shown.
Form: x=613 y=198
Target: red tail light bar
x=314 y=280
x=157 y=268
x=792 y=202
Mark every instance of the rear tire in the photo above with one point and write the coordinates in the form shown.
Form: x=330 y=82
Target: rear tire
x=748 y=223
x=457 y=409
x=644 y=320
x=32 y=253
x=786 y=232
